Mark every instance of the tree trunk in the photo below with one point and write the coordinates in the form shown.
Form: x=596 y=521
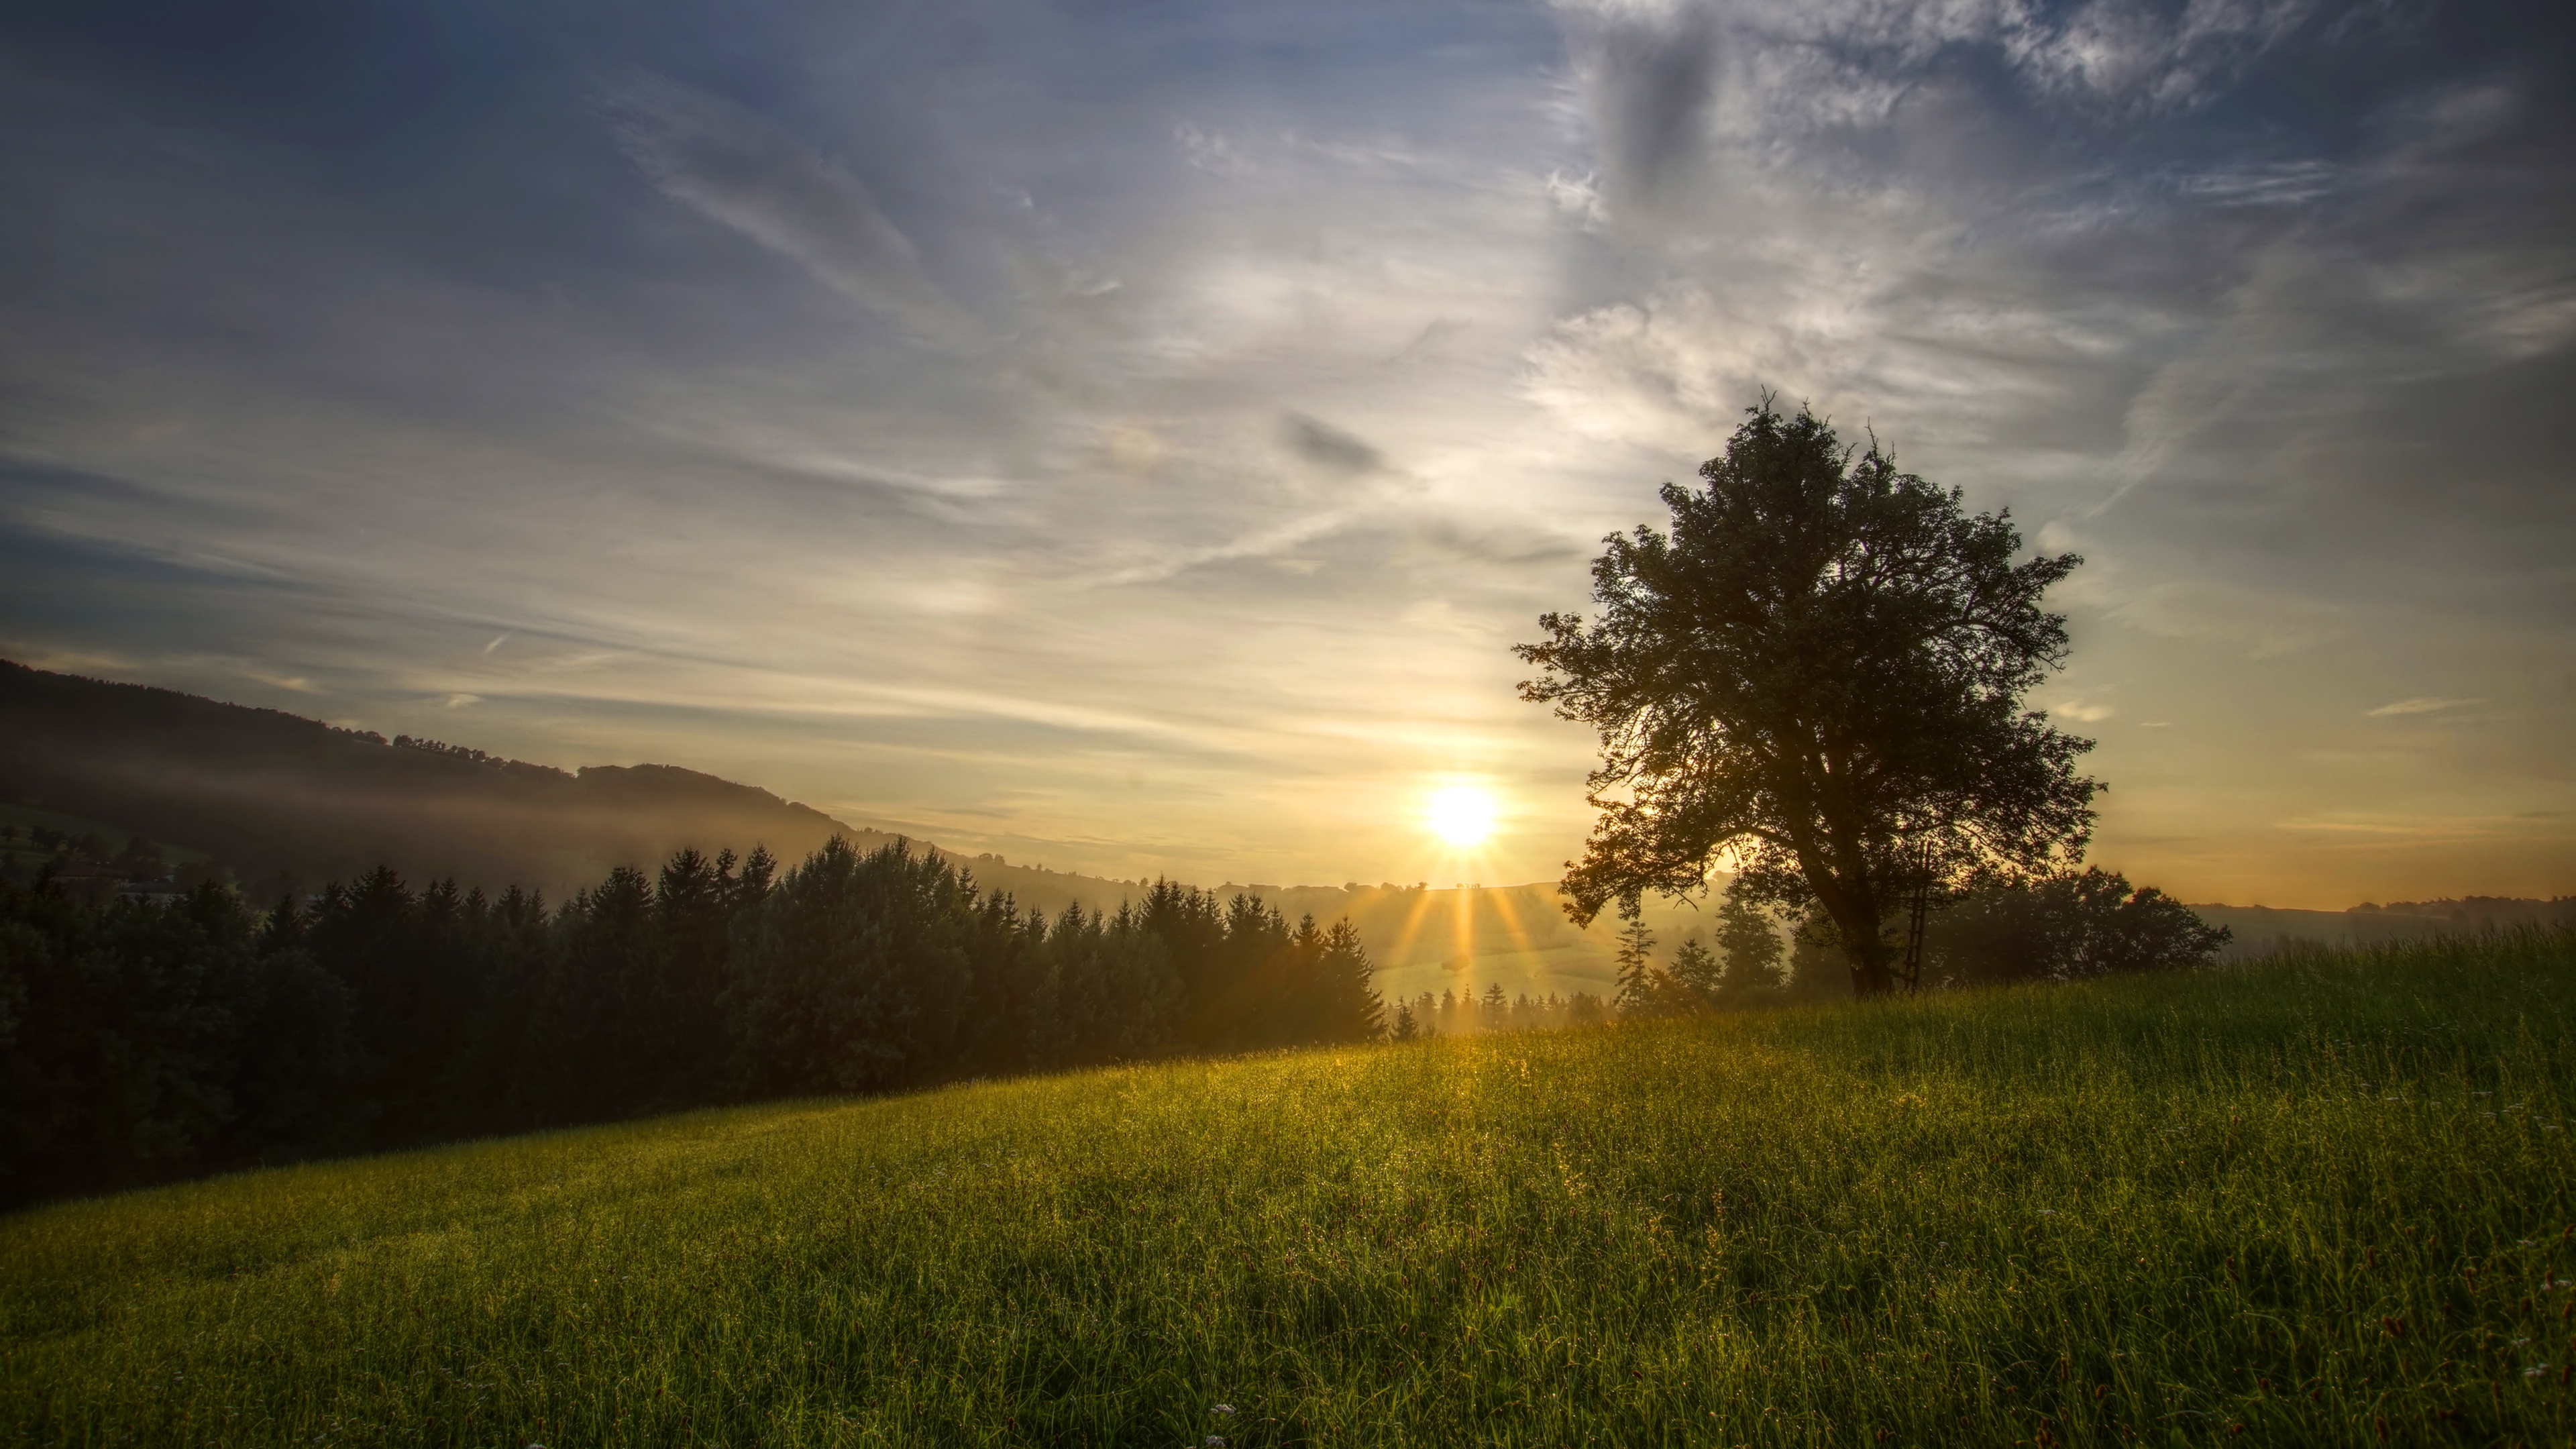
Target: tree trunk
x=1848 y=899
x=1870 y=975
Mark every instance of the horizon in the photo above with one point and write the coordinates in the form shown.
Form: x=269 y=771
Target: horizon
x=1132 y=442
x=1674 y=912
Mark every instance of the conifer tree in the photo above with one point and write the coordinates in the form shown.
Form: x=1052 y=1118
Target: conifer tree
x=1636 y=962
x=1751 y=949
x=1695 y=971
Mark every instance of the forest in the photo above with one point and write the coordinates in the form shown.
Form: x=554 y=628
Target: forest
x=149 y=1041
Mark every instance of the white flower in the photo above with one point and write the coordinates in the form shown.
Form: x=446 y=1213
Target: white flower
x=1225 y=1408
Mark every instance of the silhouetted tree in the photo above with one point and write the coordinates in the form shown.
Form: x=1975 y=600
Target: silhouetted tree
x=2067 y=926
x=1344 y=1006
x=1819 y=669
x=155 y=1041
x=1751 y=949
x=1106 y=992
x=400 y=961
x=489 y=1084
x=853 y=974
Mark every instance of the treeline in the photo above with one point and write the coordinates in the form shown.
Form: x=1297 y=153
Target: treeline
x=1467 y=1013
x=2059 y=928
x=143 y=1043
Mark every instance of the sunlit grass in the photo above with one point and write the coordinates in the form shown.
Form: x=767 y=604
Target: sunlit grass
x=2319 y=1202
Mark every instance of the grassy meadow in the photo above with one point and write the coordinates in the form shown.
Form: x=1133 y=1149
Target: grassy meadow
x=2324 y=1200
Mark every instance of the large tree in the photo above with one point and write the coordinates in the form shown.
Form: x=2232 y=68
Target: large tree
x=1819 y=672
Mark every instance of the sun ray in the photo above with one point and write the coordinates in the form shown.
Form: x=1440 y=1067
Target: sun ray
x=1511 y=921
x=1412 y=927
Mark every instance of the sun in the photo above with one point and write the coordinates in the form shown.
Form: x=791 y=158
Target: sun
x=1462 y=815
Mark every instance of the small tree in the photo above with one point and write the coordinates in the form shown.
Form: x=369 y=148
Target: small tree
x=1696 y=970
x=1751 y=947
x=1636 y=962
x=1818 y=671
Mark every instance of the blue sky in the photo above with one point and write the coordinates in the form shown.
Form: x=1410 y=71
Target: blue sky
x=1130 y=436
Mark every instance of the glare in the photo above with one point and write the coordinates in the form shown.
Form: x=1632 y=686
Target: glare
x=1462 y=815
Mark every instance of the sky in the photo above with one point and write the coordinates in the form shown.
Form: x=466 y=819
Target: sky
x=1129 y=437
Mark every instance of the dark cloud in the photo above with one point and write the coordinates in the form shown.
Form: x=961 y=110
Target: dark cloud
x=1655 y=80
x=1326 y=446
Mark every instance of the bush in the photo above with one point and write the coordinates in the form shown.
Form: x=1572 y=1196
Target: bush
x=2064 y=928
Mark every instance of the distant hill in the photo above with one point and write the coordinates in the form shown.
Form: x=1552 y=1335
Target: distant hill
x=271 y=793
x=2261 y=930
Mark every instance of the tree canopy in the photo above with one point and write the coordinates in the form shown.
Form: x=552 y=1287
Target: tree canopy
x=1818 y=671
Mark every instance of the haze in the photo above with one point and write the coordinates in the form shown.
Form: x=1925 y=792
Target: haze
x=1130 y=437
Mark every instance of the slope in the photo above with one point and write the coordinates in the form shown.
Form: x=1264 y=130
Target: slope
x=2315 y=1202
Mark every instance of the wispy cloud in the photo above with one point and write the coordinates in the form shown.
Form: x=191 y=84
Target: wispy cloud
x=2420 y=704
x=728 y=164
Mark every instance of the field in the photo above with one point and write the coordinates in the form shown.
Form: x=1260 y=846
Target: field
x=2320 y=1201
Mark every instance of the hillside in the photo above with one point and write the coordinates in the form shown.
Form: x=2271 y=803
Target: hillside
x=270 y=793
x=2322 y=1202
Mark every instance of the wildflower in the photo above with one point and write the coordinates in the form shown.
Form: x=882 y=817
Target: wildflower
x=1213 y=1442
x=2533 y=1373
x=1225 y=1408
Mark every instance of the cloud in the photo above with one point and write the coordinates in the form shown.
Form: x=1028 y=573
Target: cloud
x=2421 y=704
x=1326 y=446
x=2265 y=623
x=729 y=165
x=1653 y=82
x=2148 y=55
x=1210 y=152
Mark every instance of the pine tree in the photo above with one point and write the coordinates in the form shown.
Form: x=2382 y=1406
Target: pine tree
x=1696 y=971
x=1636 y=961
x=1751 y=950
x=1349 y=1008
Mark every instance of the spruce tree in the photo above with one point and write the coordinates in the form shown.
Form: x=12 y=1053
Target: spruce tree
x=1636 y=961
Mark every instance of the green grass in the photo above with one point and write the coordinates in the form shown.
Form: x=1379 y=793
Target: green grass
x=2271 y=1205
